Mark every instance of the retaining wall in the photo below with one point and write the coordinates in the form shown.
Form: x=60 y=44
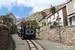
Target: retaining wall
x=67 y=35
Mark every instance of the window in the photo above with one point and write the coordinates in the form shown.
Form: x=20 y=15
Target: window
x=10 y=13
x=50 y=19
x=50 y=24
x=59 y=21
x=28 y=25
x=54 y=16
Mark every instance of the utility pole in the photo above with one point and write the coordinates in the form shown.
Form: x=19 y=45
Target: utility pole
x=58 y=25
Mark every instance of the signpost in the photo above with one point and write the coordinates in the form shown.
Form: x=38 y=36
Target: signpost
x=58 y=25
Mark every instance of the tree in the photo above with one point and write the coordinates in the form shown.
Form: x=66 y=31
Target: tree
x=6 y=19
x=1 y=22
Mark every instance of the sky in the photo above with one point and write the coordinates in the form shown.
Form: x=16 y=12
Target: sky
x=24 y=8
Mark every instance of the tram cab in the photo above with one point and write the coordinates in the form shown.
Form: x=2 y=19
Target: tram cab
x=28 y=30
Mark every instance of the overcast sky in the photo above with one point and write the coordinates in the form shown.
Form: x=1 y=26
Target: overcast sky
x=24 y=8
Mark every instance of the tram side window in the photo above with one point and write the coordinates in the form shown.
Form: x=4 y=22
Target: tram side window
x=28 y=26
x=25 y=26
x=31 y=26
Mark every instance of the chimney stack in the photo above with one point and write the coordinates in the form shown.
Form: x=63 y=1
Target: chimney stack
x=51 y=6
x=43 y=14
x=52 y=9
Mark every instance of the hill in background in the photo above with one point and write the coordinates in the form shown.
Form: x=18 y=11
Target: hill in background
x=38 y=14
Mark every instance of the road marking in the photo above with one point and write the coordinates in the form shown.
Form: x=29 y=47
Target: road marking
x=65 y=47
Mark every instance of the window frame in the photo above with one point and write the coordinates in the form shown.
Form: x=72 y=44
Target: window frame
x=57 y=21
x=10 y=13
x=53 y=16
x=49 y=19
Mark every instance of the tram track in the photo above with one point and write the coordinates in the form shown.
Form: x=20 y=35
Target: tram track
x=33 y=45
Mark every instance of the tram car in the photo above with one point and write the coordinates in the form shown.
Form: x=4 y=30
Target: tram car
x=27 y=30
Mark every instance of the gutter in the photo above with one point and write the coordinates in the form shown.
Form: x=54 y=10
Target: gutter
x=68 y=1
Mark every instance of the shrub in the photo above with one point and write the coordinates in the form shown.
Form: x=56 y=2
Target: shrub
x=1 y=22
x=36 y=26
x=65 y=25
x=61 y=26
x=6 y=28
x=55 y=23
x=43 y=23
x=34 y=20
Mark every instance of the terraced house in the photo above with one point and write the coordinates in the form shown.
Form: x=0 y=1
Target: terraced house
x=54 y=16
x=70 y=12
x=42 y=18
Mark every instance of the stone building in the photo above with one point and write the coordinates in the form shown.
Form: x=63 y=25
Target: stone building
x=19 y=21
x=70 y=4
x=12 y=16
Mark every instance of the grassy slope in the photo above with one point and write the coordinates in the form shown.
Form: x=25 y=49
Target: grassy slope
x=37 y=14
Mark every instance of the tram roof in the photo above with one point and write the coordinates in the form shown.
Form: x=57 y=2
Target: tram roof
x=29 y=22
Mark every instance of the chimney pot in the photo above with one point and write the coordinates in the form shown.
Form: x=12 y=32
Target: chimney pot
x=51 y=6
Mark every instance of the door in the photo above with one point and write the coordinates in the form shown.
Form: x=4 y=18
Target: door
x=73 y=21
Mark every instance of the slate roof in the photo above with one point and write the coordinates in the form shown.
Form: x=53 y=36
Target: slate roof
x=49 y=13
x=19 y=20
x=40 y=18
x=59 y=8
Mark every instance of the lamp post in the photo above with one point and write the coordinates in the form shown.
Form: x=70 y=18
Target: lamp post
x=58 y=25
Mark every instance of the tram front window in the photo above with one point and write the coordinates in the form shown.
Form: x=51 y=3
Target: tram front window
x=28 y=26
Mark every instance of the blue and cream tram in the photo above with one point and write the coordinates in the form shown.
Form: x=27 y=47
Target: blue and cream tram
x=27 y=29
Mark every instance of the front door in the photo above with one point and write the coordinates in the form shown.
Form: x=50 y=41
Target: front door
x=73 y=21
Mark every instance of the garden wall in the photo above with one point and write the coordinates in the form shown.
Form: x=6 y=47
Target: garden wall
x=45 y=27
x=67 y=35
x=4 y=41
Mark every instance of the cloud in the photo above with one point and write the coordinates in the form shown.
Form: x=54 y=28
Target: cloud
x=18 y=17
x=7 y=3
x=37 y=5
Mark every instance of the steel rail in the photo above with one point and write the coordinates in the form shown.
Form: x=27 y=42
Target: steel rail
x=33 y=45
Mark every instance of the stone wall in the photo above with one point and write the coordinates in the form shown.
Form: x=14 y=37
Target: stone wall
x=67 y=35
x=13 y=29
x=45 y=27
x=3 y=38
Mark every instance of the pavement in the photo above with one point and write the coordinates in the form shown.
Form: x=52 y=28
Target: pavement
x=19 y=43
x=53 y=46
